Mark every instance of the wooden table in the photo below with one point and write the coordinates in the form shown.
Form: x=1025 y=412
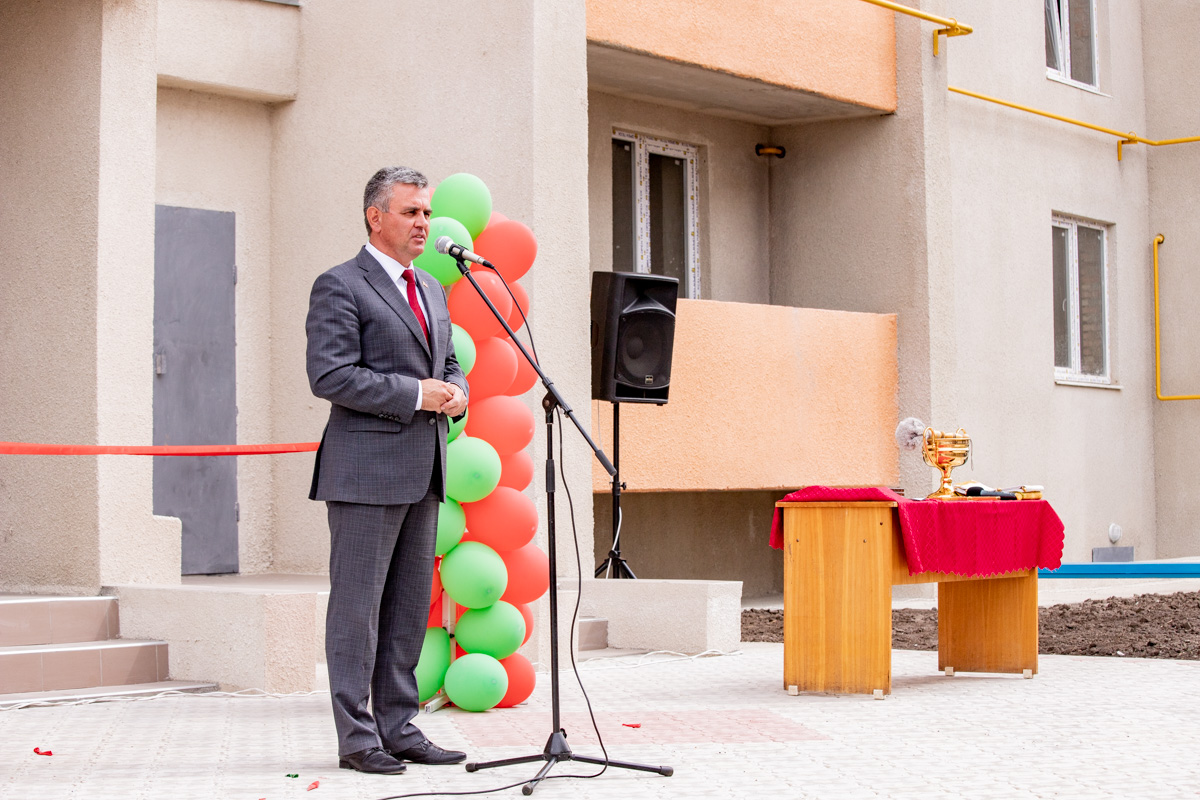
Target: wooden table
x=841 y=560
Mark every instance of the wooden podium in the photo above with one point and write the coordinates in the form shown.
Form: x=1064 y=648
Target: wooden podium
x=841 y=560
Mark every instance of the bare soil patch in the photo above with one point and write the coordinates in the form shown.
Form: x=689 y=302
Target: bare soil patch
x=1144 y=626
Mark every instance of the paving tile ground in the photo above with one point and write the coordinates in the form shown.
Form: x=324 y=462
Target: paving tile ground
x=1083 y=728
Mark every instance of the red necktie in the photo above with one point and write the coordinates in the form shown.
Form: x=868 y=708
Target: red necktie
x=410 y=278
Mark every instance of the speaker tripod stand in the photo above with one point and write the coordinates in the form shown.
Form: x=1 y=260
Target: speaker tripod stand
x=556 y=749
x=613 y=565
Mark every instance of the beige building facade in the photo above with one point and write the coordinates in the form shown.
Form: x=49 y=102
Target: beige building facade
x=898 y=260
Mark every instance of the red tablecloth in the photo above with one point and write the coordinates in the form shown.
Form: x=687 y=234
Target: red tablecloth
x=963 y=537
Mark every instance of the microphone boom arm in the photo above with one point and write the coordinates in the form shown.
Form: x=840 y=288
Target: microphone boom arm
x=549 y=384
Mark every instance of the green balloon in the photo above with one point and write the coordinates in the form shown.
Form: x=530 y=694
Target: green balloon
x=464 y=348
x=472 y=469
x=476 y=682
x=457 y=427
x=474 y=575
x=497 y=630
x=433 y=663
x=452 y=522
x=443 y=267
x=465 y=198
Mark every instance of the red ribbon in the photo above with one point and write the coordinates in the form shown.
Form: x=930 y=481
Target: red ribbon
x=42 y=752
x=27 y=449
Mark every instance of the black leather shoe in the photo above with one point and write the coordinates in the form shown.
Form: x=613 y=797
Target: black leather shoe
x=374 y=761
x=429 y=753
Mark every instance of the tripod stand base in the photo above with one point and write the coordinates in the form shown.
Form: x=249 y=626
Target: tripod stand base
x=619 y=568
x=558 y=750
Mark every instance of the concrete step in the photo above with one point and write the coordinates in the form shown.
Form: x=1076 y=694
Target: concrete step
x=48 y=667
x=39 y=619
x=62 y=696
x=592 y=633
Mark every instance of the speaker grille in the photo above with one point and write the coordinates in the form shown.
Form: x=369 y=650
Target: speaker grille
x=644 y=349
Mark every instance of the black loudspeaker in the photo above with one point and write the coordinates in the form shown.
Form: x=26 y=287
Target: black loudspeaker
x=633 y=333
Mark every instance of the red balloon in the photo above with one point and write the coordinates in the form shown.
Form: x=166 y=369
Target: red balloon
x=494 y=218
x=504 y=520
x=436 y=589
x=527 y=613
x=503 y=422
x=528 y=574
x=458 y=651
x=468 y=311
x=494 y=371
x=435 y=614
x=509 y=245
x=516 y=470
x=526 y=375
x=520 y=310
x=521 y=680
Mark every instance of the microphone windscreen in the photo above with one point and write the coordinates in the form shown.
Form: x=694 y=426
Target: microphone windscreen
x=442 y=245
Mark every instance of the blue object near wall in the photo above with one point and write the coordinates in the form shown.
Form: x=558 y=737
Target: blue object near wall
x=1128 y=569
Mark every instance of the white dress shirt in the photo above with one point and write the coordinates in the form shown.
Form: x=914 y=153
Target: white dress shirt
x=395 y=271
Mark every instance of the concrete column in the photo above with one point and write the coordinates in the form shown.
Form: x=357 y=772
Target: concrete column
x=135 y=546
x=859 y=212
x=1172 y=97
x=50 y=56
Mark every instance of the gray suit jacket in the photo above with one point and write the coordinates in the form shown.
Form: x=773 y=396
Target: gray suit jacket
x=367 y=355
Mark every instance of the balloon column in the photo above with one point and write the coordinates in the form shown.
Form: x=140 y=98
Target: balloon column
x=487 y=562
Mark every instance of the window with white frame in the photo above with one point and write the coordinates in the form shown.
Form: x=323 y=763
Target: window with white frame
x=1080 y=301
x=654 y=209
x=1071 y=40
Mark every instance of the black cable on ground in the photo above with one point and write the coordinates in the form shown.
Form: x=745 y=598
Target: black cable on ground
x=574 y=615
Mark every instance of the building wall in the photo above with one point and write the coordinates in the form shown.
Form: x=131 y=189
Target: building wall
x=841 y=49
x=860 y=222
x=238 y=48
x=763 y=400
x=734 y=204
x=49 y=101
x=135 y=546
x=376 y=88
x=938 y=213
x=763 y=397
x=712 y=535
x=215 y=153
x=76 y=239
x=1090 y=447
x=1172 y=67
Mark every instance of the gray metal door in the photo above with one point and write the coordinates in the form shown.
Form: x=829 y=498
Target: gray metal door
x=194 y=397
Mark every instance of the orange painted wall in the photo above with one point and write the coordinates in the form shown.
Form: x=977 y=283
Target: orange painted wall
x=843 y=49
x=764 y=397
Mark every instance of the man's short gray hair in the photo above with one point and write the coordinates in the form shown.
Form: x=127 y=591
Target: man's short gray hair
x=379 y=189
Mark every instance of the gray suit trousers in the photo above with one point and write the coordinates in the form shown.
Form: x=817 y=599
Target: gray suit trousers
x=380 y=569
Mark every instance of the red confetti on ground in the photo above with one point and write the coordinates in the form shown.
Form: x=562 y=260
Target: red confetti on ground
x=313 y=785
x=42 y=752
x=632 y=724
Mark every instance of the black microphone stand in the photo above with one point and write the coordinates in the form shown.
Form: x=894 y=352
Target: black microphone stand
x=556 y=748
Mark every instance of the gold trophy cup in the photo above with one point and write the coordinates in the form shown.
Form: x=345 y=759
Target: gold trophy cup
x=945 y=451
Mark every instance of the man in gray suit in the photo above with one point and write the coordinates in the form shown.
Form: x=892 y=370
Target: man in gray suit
x=379 y=350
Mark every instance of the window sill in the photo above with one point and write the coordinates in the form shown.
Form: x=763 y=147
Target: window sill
x=1058 y=77
x=1086 y=384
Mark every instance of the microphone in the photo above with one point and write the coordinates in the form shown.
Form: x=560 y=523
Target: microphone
x=447 y=247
